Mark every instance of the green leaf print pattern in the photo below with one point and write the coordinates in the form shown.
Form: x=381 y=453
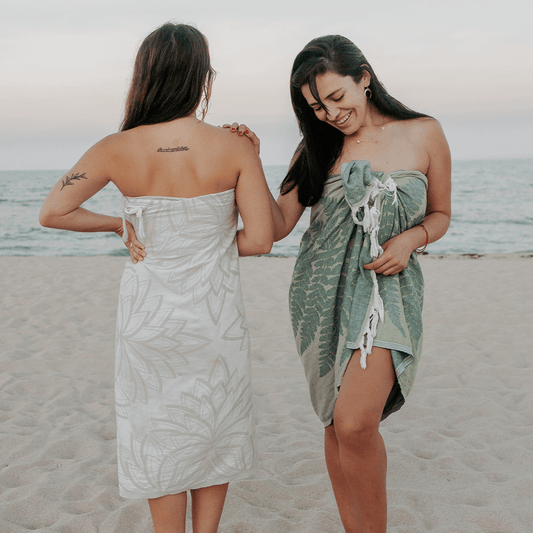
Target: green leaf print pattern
x=331 y=291
x=412 y=291
x=388 y=290
x=316 y=284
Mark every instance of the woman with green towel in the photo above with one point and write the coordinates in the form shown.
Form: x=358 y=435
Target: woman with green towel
x=377 y=176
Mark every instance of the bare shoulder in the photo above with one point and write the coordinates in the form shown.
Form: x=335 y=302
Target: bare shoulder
x=114 y=144
x=114 y=155
x=427 y=134
x=230 y=140
x=230 y=149
x=423 y=128
x=104 y=151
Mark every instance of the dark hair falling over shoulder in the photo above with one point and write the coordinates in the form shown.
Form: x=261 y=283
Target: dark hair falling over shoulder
x=322 y=144
x=171 y=74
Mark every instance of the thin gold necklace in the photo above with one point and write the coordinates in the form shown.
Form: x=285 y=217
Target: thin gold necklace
x=374 y=140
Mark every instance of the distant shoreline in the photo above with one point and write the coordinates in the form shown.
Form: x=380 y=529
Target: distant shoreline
x=62 y=171
x=494 y=218
x=450 y=256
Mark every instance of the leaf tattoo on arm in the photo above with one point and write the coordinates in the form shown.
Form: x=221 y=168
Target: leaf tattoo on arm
x=70 y=179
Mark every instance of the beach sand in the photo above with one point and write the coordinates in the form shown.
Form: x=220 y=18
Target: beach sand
x=460 y=451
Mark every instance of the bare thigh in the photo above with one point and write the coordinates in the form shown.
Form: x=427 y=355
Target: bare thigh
x=363 y=393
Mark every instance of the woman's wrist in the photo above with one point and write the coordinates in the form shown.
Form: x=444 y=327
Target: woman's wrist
x=422 y=248
x=119 y=227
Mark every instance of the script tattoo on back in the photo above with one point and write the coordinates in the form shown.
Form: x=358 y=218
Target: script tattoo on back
x=174 y=149
x=69 y=180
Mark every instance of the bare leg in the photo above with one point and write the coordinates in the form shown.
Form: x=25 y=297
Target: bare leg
x=207 y=505
x=361 y=453
x=168 y=513
x=341 y=489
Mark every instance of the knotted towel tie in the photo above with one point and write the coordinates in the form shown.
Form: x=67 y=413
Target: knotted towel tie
x=136 y=210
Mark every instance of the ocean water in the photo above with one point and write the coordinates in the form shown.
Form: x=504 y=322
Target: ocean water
x=492 y=202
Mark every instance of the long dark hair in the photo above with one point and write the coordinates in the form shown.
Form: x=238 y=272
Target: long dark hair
x=171 y=74
x=322 y=144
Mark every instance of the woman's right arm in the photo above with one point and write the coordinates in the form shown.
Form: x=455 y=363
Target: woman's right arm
x=62 y=207
x=254 y=205
x=287 y=210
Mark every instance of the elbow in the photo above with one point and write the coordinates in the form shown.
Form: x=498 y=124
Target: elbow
x=280 y=235
x=266 y=247
x=254 y=245
x=47 y=219
x=263 y=246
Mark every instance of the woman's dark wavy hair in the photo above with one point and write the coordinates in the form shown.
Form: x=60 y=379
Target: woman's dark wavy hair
x=322 y=144
x=172 y=73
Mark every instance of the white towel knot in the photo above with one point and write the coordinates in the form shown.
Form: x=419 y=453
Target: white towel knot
x=136 y=210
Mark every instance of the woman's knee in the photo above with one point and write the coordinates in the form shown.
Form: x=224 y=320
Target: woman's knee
x=356 y=431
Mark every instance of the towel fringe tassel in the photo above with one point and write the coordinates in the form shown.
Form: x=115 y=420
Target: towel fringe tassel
x=371 y=205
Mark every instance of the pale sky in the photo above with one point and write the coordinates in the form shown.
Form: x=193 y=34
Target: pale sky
x=66 y=64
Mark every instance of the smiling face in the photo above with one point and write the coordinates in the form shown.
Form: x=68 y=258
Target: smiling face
x=346 y=105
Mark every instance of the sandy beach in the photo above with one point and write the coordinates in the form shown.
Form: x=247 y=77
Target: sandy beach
x=460 y=451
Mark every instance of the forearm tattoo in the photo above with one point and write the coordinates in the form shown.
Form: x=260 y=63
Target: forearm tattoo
x=174 y=149
x=70 y=179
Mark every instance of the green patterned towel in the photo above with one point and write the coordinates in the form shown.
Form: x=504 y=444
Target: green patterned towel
x=336 y=305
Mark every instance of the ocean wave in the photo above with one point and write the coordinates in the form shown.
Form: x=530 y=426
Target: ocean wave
x=491 y=204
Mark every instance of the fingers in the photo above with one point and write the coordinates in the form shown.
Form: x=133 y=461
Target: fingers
x=135 y=247
x=386 y=266
x=242 y=129
x=388 y=269
x=377 y=263
x=136 y=250
x=239 y=128
x=384 y=271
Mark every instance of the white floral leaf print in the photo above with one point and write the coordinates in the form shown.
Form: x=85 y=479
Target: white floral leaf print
x=238 y=330
x=183 y=396
x=209 y=430
x=155 y=343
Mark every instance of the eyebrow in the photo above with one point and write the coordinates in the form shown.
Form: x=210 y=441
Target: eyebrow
x=328 y=96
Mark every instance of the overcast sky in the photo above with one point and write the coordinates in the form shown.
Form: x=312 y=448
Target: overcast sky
x=66 y=64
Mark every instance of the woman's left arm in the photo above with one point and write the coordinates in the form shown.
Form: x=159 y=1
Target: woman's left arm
x=398 y=250
x=61 y=209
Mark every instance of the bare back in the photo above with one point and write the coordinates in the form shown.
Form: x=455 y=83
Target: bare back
x=183 y=158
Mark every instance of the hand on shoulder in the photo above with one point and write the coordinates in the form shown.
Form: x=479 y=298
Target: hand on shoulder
x=242 y=130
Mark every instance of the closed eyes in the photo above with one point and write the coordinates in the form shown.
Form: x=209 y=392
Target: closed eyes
x=320 y=108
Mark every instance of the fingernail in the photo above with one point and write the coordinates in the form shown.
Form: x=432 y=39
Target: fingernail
x=246 y=131
x=232 y=129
